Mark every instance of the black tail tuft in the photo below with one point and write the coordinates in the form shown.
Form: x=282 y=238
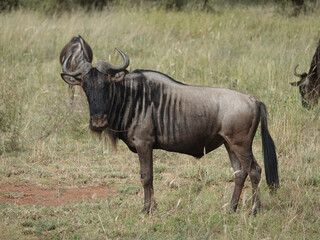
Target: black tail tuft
x=269 y=152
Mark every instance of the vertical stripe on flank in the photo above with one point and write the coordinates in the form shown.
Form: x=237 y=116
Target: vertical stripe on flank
x=168 y=118
x=174 y=117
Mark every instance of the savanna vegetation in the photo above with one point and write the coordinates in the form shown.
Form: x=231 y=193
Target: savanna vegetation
x=44 y=138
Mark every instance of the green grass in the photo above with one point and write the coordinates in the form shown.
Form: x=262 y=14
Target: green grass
x=45 y=140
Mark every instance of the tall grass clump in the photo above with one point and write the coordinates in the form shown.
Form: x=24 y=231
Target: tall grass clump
x=44 y=137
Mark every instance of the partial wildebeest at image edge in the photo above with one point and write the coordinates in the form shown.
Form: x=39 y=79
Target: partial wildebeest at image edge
x=309 y=83
x=149 y=110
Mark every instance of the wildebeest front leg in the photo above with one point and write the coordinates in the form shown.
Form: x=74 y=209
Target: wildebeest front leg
x=146 y=176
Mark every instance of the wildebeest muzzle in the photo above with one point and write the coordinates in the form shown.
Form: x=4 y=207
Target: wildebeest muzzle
x=98 y=122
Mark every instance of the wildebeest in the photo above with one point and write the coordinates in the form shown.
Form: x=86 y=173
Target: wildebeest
x=149 y=110
x=309 y=83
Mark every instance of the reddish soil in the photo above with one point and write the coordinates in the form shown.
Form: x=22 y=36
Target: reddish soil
x=33 y=194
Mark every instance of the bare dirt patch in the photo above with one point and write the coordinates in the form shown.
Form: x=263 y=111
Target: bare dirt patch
x=34 y=194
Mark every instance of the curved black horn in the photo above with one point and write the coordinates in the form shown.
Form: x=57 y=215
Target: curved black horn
x=83 y=69
x=104 y=67
x=297 y=74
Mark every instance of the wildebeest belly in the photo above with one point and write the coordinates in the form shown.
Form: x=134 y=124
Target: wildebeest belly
x=191 y=143
x=197 y=150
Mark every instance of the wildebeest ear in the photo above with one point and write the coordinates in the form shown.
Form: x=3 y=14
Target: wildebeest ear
x=118 y=76
x=295 y=84
x=70 y=79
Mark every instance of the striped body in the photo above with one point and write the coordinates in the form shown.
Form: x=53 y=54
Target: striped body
x=177 y=117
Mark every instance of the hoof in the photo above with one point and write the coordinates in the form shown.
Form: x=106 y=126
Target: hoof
x=234 y=207
x=255 y=209
x=147 y=209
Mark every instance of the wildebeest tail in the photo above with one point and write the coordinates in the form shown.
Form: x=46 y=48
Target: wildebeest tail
x=269 y=151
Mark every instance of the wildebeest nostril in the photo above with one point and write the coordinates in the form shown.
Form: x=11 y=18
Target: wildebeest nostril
x=98 y=121
x=98 y=117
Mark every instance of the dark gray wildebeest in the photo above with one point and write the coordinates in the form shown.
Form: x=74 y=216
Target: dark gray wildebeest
x=149 y=110
x=309 y=83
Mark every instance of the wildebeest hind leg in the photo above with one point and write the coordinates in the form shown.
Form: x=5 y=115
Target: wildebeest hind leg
x=250 y=165
x=255 y=176
x=240 y=177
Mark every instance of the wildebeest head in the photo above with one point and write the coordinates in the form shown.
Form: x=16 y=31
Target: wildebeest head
x=304 y=86
x=76 y=58
x=309 y=83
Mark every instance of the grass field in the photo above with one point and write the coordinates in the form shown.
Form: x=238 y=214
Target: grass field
x=44 y=137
